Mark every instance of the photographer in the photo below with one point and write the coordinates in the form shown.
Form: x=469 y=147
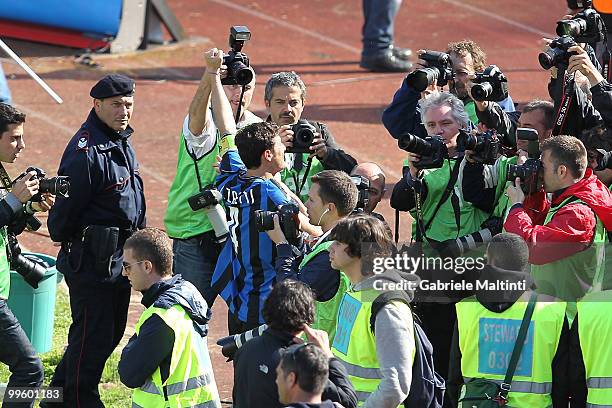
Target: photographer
x=566 y=250
x=374 y=174
x=598 y=143
x=289 y=310
x=403 y=115
x=16 y=351
x=285 y=98
x=196 y=245
x=106 y=205
x=332 y=197
x=246 y=181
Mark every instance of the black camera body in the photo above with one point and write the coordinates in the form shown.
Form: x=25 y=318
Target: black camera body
x=490 y=85
x=530 y=135
x=303 y=136
x=585 y=27
x=557 y=53
x=486 y=146
x=237 y=62
x=432 y=150
x=439 y=70
x=604 y=160
x=529 y=173
x=59 y=185
x=32 y=270
x=363 y=187
x=287 y=217
x=209 y=200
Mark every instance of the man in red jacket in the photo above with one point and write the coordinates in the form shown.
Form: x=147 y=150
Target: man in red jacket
x=567 y=249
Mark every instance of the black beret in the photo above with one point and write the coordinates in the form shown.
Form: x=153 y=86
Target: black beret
x=113 y=85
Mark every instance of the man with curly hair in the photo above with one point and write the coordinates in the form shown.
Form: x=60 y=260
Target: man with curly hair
x=289 y=311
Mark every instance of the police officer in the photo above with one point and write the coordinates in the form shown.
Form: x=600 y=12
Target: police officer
x=105 y=206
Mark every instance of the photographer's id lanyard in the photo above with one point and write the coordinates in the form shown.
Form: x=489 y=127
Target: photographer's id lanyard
x=5 y=179
x=566 y=102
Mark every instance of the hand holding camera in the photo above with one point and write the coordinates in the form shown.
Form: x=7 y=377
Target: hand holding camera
x=515 y=192
x=26 y=186
x=213 y=59
x=580 y=61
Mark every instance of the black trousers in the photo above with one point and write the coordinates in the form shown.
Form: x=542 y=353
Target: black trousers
x=99 y=316
x=17 y=353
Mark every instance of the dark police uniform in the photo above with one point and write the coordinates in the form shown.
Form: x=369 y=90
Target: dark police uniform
x=106 y=191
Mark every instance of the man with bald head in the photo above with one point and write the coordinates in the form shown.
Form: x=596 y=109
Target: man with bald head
x=377 y=189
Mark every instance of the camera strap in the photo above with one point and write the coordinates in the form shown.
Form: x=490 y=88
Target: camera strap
x=566 y=101
x=195 y=165
x=239 y=109
x=5 y=179
x=421 y=230
x=299 y=185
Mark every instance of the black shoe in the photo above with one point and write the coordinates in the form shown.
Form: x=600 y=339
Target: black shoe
x=386 y=62
x=402 y=53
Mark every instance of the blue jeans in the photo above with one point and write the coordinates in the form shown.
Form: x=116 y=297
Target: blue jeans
x=195 y=259
x=5 y=93
x=17 y=352
x=379 y=16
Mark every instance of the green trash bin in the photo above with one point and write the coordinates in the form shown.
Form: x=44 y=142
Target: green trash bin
x=35 y=308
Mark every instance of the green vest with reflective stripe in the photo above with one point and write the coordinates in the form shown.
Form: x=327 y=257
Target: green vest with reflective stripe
x=180 y=220
x=290 y=175
x=355 y=344
x=570 y=278
x=326 y=313
x=501 y=200
x=486 y=341
x=5 y=268
x=191 y=382
x=594 y=329
x=444 y=226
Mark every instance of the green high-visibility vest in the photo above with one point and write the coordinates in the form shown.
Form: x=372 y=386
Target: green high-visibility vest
x=501 y=200
x=180 y=220
x=293 y=178
x=444 y=226
x=594 y=329
x=326 y=313
x=486 y=341
x=355 y=344
x=191 y=381
x=5 y=268
x=572 y=277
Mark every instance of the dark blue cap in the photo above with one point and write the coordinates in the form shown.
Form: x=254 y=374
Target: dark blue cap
x=113 y=85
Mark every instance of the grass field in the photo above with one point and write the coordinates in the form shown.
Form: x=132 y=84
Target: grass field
x=113 y=393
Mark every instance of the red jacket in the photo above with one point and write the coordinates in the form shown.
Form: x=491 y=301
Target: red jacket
x=572 y=228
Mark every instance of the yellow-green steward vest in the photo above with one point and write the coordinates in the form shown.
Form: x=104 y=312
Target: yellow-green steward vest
x=180 y=220
x=594 y=331
x=326 y=313
x=486 y=341
x=572 y=277
x=191 y=382
x=355 y=344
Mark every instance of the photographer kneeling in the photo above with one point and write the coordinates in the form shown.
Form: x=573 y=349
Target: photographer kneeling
x=16 y=206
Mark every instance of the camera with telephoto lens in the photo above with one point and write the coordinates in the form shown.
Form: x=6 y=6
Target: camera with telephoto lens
x=237 y=62
x=230 y=344
x=485 y=146
x=439 y=71
x=557 y=53
x=585 y=27
x=490 y=85
x=30 y=267
x=287 y=217
x=303 y=136
x=209 y=200
x=432 y=150
x=529 y=173
x=363 y=187
x=59 y=185
x=458 y=247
